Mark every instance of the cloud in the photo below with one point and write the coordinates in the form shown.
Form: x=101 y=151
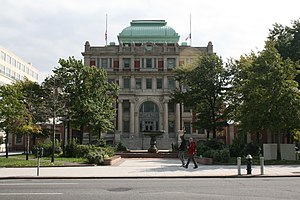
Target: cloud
x=43 y=31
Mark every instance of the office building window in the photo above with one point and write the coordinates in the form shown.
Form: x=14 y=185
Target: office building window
x=8 y=59
x=171 y=83
x=171 y=63
x=126 y=106
x=171 y=107
x=104 y=63
x=148 y=83
x=187 y=127
x=159 y=83
x=148 y=62
x=3 y=55
x=126 y=125
x=126 y=63
x=19 y=139
x=126 y=82
x=138 y=83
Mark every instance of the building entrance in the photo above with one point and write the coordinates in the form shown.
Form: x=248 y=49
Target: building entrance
x=149 y=117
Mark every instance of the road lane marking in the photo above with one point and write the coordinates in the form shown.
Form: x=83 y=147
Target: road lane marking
x=25 y=184
x=18 y=194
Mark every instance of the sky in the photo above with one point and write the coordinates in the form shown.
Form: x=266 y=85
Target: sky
x=43 y=31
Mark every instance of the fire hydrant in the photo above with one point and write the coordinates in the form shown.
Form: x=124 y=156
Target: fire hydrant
x=249 y=163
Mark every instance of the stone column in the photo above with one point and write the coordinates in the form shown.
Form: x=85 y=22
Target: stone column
x=166 y=124
x=120 y=115
x=132 y=83
x=177 y=117
x=132 y=117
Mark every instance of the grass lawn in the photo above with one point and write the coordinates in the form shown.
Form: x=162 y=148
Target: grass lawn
x=20 y=161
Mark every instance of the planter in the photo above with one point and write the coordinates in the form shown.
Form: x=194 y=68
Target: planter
x=112 y=160
x=205 y=161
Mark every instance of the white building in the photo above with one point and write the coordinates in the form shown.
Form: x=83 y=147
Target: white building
x=13 y=68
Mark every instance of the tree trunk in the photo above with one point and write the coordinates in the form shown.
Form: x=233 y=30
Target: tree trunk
x=27 y=146
x=6 y=145
x=278 y=146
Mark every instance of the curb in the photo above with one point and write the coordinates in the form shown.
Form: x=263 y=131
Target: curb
x=149 y=177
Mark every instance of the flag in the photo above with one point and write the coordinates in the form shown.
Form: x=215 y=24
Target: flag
x=188 y=37
x=105 y=36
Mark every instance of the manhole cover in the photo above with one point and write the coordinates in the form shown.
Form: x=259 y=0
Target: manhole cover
x=119 y=189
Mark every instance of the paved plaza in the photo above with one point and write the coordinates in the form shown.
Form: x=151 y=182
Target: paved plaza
x=149 y=168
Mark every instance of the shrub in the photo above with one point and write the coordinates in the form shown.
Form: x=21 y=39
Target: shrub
x=47 y=148
x=121 y=147
x=218 y=155
x=95 y=157
x=237 y=147
x=252 y=149
x=71 y=146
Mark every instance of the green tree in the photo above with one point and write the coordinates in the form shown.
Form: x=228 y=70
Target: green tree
x=287 y=42
x=12 y=111
x=34 y=101
x=87 y=96
x=205 y=82
x=265 y=93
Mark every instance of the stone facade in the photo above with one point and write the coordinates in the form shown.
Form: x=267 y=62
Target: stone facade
x=144 y=73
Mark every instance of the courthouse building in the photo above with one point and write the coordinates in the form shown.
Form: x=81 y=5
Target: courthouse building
x=142 y=65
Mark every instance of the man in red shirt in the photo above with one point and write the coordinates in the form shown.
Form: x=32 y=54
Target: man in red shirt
x=191 y=153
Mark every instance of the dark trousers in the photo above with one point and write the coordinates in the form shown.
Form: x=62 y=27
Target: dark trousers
x=191 y=157
x=181 y=157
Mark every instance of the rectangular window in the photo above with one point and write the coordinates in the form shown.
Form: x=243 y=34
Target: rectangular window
x=19 y=139
x=3 y=55
x=160 y=64
x=2 y=69
x=104 y=63
x=148 y=62
x=187 y=127
x=18 y=65
x=171 y=83
x=7 y=72
x=8 y=59
x=137 y=64
x=171 y=63
x=126 y=62
x=171 y=107
x=159 y=82
x=126 y=125
x=148 y=83
x=23 y=67
x=13 y=62
x=126 y=106
x=92 y=62
x=126 y=82
x=138 y=83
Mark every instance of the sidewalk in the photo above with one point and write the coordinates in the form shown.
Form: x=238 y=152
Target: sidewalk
x=149 y=168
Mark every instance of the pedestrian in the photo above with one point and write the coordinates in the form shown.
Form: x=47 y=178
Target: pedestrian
x=191 y=153
x=181 y=149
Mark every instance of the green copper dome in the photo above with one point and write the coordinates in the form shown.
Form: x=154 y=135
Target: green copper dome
x=144 y=31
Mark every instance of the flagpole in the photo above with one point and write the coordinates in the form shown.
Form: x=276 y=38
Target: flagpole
x=190 y=29
x=106 y=30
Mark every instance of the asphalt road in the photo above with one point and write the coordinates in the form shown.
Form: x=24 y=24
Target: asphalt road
x=144 y=189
